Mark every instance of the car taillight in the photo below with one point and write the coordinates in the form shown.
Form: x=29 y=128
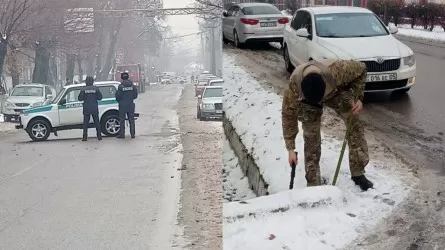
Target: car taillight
x=283 y=20
x=249 y=21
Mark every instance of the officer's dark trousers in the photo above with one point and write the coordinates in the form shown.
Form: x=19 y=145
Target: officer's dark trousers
x=86 y=121
x=130 y=116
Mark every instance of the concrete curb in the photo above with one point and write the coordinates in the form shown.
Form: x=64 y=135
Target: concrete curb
x=246 y=161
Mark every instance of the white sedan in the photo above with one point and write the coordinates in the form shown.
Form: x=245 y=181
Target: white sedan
x=350 y=33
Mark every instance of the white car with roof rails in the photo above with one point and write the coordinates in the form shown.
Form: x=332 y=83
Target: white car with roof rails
x=216 y=82
x=65 y=112
x=350 y=33
x=25 y=96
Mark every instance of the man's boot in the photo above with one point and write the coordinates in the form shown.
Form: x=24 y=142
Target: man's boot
x=362 y=182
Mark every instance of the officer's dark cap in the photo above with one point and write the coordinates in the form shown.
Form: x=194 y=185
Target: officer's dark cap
x=89 y=80
x=313 y=87
x=124 y=76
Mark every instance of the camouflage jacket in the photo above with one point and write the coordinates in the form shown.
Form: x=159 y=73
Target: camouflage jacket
x=340 y=75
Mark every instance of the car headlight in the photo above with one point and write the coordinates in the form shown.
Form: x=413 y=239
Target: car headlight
x=208 y=106
x=409 y=61
x=37 y=104
x=9 y=104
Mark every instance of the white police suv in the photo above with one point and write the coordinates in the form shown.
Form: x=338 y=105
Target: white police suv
x=65 y=112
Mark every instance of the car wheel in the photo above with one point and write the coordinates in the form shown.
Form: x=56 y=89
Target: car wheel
x=39 y=130
x=7 y=118
x=111 y=125
x=289 y=67
x=225 y=40
x=238 y=44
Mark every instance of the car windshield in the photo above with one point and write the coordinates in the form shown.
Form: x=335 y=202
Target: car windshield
x=260 y=10
x=27 y=91
x=341 y=25
x=212 y=92
x=58 y=96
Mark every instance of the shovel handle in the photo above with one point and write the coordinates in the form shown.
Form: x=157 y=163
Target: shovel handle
x=292 y=176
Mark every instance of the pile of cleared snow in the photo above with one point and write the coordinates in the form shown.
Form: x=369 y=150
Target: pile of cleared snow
x=437 y=35
x=6 y=126
x=235 y=184
x=256 y=115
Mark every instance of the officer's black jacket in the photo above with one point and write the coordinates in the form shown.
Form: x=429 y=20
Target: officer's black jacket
x=125 y=95
x=90 y=95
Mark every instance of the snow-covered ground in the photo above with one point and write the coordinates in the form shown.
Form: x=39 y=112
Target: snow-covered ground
x=6 y=126
x=235 y=184
x=437 y=35
x=256 y=115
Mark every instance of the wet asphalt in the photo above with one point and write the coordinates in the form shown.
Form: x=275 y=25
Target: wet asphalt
x=415 y=122
x=113 y=194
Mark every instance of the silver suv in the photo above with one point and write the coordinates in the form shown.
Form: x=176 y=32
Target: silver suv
x=25 y=96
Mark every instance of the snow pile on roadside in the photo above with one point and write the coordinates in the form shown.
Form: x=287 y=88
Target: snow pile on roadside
x=287 y=14
x=6 y=126
x=235 y=184
x=437 y=35
x=256 y=115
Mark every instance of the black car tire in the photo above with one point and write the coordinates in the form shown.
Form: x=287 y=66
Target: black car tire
x=288 y=64
x=7 y=118
x=104 y=122
x=42 y=124
x=238 y=44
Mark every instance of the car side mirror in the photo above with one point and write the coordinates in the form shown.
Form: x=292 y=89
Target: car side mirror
x=393 y=29
x=62 y=102
x=303 y=33
x=199 y=96
x=225 y=13
x=49 y=97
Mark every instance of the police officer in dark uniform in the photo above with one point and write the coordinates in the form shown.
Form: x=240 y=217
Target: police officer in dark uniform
x=90 y=96
x=125 y=95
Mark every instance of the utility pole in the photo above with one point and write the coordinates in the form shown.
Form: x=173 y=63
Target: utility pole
x=213 y=50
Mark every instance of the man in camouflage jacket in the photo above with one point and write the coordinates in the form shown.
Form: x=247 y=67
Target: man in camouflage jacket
x=338 y=84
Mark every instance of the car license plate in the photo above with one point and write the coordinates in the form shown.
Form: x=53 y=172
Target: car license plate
x=268 y=24
x=218 y=111
x=381 y=77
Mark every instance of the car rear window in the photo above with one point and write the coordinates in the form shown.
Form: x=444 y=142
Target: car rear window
x=260 y=10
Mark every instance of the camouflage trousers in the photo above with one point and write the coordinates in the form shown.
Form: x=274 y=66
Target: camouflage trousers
x=310 y=117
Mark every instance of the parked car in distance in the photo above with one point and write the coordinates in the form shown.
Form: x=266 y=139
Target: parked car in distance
x=261 y=22
x=65 y=112
x=210 y=103
x=215 y=82
x=350 y=33
x=202 y=82
x=25 y=96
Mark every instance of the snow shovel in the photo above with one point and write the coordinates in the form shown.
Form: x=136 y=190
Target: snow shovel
x=292 y=176
x=348 y=128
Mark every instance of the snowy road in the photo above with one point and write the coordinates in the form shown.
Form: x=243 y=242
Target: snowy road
x=113 y=194
x=409 y=132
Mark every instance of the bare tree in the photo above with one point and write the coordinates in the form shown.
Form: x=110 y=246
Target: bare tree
x=16 y=22
x=292 y=6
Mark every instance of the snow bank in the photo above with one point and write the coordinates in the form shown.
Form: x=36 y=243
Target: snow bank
x=235 y=184
x=6 y=126
x=437 y=35
x=256 y=115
